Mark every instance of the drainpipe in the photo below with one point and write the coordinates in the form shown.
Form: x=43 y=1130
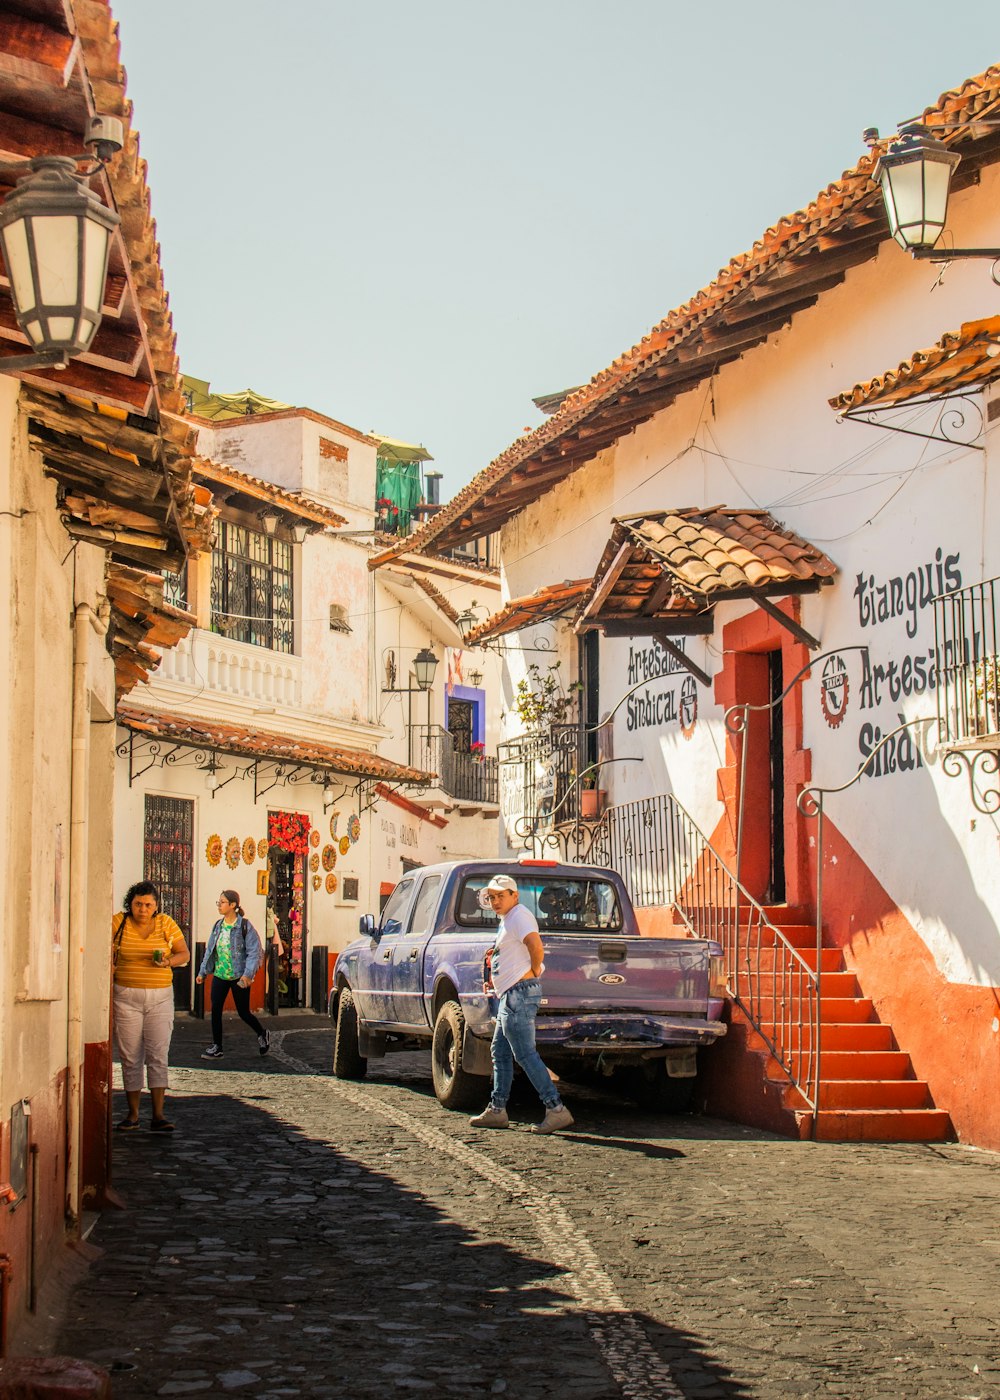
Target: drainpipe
x=83 y=620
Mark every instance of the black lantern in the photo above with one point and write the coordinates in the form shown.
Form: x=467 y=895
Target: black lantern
x=425 y=663
x=55 y=235
x=465 y=622
x=270 y=519
x=915 y=175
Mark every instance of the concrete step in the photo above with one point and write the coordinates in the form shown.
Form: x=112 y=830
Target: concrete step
x=874 y=1093
x=883 y=1125
x=855 y=1065
x=845 y=1035
x=835 y=985
x=831 y=959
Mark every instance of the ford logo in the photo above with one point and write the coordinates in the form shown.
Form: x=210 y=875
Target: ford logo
x=611 y=979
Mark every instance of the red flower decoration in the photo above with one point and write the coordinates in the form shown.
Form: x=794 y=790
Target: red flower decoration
x=289 y=831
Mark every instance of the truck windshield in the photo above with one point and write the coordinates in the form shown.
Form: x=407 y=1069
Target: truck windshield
x=560 y=904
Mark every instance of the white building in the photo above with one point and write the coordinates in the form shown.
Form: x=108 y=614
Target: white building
x=295 y=702
x=729 y=527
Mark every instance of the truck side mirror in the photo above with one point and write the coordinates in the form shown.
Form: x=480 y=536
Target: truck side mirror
x=367 y=926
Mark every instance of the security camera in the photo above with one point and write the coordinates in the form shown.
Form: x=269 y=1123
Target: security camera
x=105 y=136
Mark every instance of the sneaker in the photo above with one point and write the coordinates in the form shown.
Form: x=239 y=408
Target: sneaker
x=264 y=1041
x=554 y=1120
x=214 y=1052
x=490 y=1118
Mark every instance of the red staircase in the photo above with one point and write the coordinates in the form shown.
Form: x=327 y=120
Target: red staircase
x=868 y=1090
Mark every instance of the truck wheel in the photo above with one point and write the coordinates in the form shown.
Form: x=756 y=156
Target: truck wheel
x=653 y=1089
x=348 y=1062
x=454 y=1087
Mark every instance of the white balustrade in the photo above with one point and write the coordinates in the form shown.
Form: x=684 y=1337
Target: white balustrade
x=211 y=663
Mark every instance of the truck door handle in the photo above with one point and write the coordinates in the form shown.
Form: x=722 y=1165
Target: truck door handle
x=387 y=955
x=414 y=954
x=611 y=952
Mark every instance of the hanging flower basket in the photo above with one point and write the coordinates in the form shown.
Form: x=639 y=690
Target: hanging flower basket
x=289 y=831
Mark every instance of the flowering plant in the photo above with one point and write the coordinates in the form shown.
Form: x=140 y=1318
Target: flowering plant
x=384 y=506
x=478 y=750
x=289 y=831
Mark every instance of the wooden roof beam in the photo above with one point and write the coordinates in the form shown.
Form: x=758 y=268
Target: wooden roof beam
x=36 y=53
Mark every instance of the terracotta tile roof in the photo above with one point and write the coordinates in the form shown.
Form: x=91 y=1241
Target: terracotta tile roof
x=786 y=270
x=252 y=743
x=141 y=622
x=965 y=359
x=544 y=605
x=220 y=474
x=674 y=565
x=436 y=596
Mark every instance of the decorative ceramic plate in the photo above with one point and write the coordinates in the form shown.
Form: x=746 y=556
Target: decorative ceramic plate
x=314 y=837
x=213 y=849
x=233 y=852
x=333 y=824
x=329 y=857
x=331 y=883
x=317 y=881
x=314 y=861
x=345 y=845
x=249 y=851
x=353 y=827
x=262 y=849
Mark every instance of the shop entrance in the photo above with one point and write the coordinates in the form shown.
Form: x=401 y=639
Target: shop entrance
x=287 y=915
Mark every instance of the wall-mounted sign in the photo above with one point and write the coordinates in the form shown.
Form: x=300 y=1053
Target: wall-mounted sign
x=834 y=690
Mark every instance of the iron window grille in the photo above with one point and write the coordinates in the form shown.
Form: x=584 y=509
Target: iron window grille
x=252 y=588
x=175 y=589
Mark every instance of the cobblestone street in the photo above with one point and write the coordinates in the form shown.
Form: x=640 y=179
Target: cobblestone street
x=299 y=1236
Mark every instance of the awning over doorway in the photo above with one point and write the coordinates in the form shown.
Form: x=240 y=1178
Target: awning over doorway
x=662 y=572
x=961 y=362
x=544 y=605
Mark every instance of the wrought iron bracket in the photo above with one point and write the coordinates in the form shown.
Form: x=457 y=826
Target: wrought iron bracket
x=790 y=625
x=976 y=764
x=952 y=426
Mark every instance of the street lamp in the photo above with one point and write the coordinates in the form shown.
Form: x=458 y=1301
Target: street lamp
x=425 y=664
x=270 y=519
x=915 y=176
x=55 y=236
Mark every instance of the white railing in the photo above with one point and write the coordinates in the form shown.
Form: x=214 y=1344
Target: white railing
x=207 y=662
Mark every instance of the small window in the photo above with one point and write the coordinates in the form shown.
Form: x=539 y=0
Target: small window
x=559 y=904
x=392 y=916
x=339 y=618
x=349 y=889
x=423 y=910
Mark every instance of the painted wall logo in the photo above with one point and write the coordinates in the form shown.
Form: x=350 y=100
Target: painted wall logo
x=834 y=691
x=655 y=709
x=688 y=713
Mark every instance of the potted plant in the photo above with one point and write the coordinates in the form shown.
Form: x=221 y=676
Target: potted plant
x=592 y=798
x=478 y=751
x=540 y=700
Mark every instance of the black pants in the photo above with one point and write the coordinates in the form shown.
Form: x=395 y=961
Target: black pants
x=221 y=988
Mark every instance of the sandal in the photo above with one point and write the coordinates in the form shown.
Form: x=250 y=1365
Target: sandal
x=161 y=1125
x=126 y=1125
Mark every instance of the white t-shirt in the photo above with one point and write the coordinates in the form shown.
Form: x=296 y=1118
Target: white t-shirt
x=511 y=959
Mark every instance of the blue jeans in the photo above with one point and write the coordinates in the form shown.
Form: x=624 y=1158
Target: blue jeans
x=514 y=1039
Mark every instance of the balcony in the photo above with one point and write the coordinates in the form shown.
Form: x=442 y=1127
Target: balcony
x=967 y=647
x=204 y=661
x=461 y=775
x=539 y=778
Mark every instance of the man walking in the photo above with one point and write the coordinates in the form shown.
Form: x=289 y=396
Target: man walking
x=515 y=968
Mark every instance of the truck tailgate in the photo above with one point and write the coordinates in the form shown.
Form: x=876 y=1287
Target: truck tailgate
x=664 y=976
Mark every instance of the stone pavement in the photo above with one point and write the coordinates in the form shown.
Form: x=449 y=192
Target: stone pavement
x=298 y=1236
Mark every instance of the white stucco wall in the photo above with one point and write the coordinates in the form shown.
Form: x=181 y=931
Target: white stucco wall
x=881 y=505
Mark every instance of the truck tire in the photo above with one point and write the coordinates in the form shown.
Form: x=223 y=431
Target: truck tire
x=454 y=1087
x=653 y=1089
x=348 y=1062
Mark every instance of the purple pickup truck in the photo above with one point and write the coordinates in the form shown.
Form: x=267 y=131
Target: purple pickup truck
x=611 y=1000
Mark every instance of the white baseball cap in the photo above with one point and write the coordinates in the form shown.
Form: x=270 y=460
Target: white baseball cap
x=499 y=882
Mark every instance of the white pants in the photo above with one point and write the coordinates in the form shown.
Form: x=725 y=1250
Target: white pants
x=144 y=1023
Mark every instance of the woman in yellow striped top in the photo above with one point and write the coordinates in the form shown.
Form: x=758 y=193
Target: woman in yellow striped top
x=147 y=946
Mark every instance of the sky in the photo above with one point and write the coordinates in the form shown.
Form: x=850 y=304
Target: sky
x=414 y=216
